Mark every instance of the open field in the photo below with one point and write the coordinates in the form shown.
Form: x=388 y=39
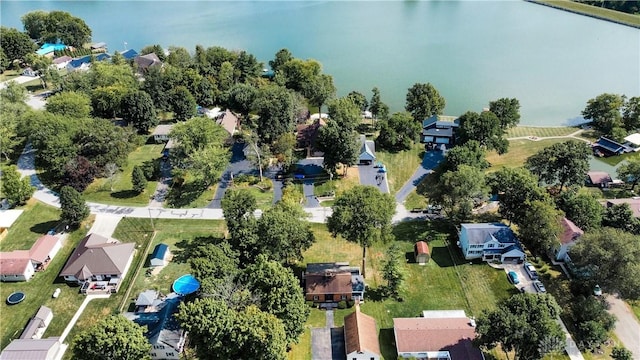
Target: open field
x=39 y=289
x=34 y=222
x=401 y=165
x=520 y=131
x=519 y=151
x=593 y=11
x=100 y=190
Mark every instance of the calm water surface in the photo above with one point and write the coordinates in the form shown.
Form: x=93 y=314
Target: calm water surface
x=472 y=51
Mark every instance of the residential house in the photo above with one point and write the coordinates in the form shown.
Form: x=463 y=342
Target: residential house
x=598 y=178
x=62 y=62
x=608 y=147
x=29 y=72
x=634 y=204
x=633 y=141
x=361 y=336
x=84 y=63
x=144 y=62
x=229 y=121
x=34 y=349
x=421 y=252
x=567 y=238
x=38 y=324
x=48 y=49
x=160 y=255
x=442 y=335
x=147 y=301
x=163 y=330
x=306 y=135
x=129 y=54
x=367 y=151
x=161 y=133
x=490 y=242
x=99 y=47
x=333 y=282
x=100 y=259
x=21 y=265
x=7 y=218
x=439 y=130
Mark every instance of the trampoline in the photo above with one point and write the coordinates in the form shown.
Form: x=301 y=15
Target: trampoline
x=186 y=284
x=15 y=298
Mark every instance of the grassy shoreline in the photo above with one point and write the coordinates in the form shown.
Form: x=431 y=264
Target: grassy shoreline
x=592 y=11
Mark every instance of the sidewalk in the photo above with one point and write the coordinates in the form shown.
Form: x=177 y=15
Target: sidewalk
x=79 y=312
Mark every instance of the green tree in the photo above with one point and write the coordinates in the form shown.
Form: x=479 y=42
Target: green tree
x=470 y=153
x=238 y=207
x=393 y=270
x=345 y=113
x=4 y=61
x=630 y=171
x=520 y=324
x=605 y=112
x=359 y=99
x=277 y=108
x=284 y=233
x=362 y=215
x=280 y=294
x=73 y=207
x=399 y=132
x=15 y=44
x=79 y=173
x=281 y=57
x=138 y=180
x=17 y=191
x=13 y=93
x=319 y=89
x=259 y=335
x=35 y=23
x=154 y=49
x=240 y=99
x=247 y=67
x=340 y=146
x=298 y=72
x=631 y=114
x=540 y=227
x=563 y=163
x=114 y=337
x=215 y=265
x=583 y=209
x=620 y=216
x=592 y=320
x=208 y=164
x=517 y=188
x=12 y=118
x=484 y=128
x=69 y=103
x=423 y=101
x=459 y=191
x=138 y=110
x=182 y=103
x=57 y=26
x=103 y=142
x=196 y=134
x=376 y=106
x=106 y=101
x=611 y=258
x=621 y=353
x=507 y=110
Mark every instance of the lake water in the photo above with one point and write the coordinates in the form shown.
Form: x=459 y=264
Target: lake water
x=472 y=51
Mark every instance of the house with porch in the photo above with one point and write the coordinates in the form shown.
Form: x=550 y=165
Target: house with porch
x=439 y=130
x=361 y=336
x=600 y=179
x=438 y=334
x=489 y=242
x=104 y=261
x=21 y=265
x=367 y=151
x=608 y=147
x=333 y=282
x=161 y=133
x=567 y=238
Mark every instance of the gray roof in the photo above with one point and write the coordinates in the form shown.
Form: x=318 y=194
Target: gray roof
x=36 y=322
x=98 y=255
x=162 y=130
x=31 y=349
x=448 y=132
x=146 y=298
x=480 y=233
x=367 y=149
x=164 y=327
x=441 y=121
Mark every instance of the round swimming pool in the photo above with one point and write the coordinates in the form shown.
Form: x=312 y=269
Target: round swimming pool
x=186 y=284
x=15 y=298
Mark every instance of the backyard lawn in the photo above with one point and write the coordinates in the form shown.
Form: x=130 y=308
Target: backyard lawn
x=39 y=289
x=520 y=131
x=100 y=190
x=519 y=151
x=401 y=165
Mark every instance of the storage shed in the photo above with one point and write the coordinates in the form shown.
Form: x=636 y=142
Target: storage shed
x=421 y=252
x=160 y=255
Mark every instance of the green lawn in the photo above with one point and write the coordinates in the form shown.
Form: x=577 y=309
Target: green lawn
x=39 y=289
x=520 y=131
x=9 y=74
x=264 y=196
x=519 y=151
x=100 y=190
x=596 y=11
x=401 y=165
x=192 y=194
x=34 y=222
x=635 y=306
x=415 y=200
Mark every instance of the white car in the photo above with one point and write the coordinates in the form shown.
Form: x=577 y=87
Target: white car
x=539 y=286
x=531 y=271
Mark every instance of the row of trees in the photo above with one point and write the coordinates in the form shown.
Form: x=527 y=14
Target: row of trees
x=613 y=115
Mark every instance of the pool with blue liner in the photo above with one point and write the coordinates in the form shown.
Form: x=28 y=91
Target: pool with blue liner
x=186 y=284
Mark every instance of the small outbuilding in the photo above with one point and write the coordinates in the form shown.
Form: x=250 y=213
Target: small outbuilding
x=160 y=255
x=421 y=252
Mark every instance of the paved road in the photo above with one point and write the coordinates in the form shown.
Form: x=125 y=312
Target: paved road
x=20 y=80
x=370 y=175
x=430 y=160
x=627 y=326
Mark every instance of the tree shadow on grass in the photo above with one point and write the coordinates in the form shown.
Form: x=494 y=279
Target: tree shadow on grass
x=124 y=194
x=44 y=227
x=376 y=294
x=387 y=346
x=181 y=196
x=186 y=248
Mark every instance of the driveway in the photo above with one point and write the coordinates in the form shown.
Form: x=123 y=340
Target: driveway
x=369 y=175
x=627 y=326
x=238 y=165
x=327 y=343
x=430 y=161
x=105 y=224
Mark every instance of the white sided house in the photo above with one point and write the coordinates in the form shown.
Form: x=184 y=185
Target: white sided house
x=21 y=265
x=490 y=242
x=361 y=336
x=568 y=237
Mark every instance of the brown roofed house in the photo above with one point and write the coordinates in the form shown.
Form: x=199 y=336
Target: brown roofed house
x=361 y=336
x=98 y=258
x=333 y=282
x=437 y=335
x=144 y=62
x=421 y=252
x=598 y=178
x=567 y=238
x=634 y=204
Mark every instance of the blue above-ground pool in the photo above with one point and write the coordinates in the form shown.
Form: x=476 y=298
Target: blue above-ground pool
x=186 y=284
x=15 y=297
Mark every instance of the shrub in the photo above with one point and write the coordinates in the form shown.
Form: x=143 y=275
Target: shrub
x=350 y=303
x=342 y=304
x=151 y=169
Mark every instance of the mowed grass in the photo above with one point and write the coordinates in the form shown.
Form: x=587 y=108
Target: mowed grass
x=606 y=14
x=520 y=131
x=39 y=289
x=100 y=190
x=36 y=220
x=401 y=165
x=519 y=151
x=446 y=282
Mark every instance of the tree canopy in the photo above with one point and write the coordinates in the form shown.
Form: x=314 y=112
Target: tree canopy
x=398 y=133
x=73 y=207
x=460 y=191
x=15 y=44
x=507 y=110
x=562 y=164
x=605 y=111
x=138 y=110
x=486 y=128
x=540 y=227
x=340 y=146
x=423 y=101
x=630 y=171
x=114 y=337
x=516 y=188
x=17 y=191
x=57 y=26
x=284 y=233
x=362 y=215
x=469 y=153
x=582 y=209
x=69 y=103
x=277 y=108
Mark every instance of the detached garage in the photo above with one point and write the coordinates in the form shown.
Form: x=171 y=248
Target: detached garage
x=421 y=252
x=160 y=255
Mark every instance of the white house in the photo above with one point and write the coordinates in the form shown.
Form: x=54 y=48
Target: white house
x=62 y=62
x=41 y=349
x=361 y=336
x=161 y=133
x=21 y=265
x=568 y=237
x=489 y=242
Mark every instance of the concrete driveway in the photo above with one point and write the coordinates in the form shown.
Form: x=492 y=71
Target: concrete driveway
x=370 y=175
x=525 y=281
x=430 y=161
x=627 y=326
x=238 y=165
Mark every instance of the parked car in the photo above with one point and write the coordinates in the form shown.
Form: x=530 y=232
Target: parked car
x=531 y=271
x=513 y=277
x=597 y=291
x=539 y=286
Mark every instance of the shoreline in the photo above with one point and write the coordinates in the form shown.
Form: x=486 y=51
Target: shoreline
x=559 y=6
